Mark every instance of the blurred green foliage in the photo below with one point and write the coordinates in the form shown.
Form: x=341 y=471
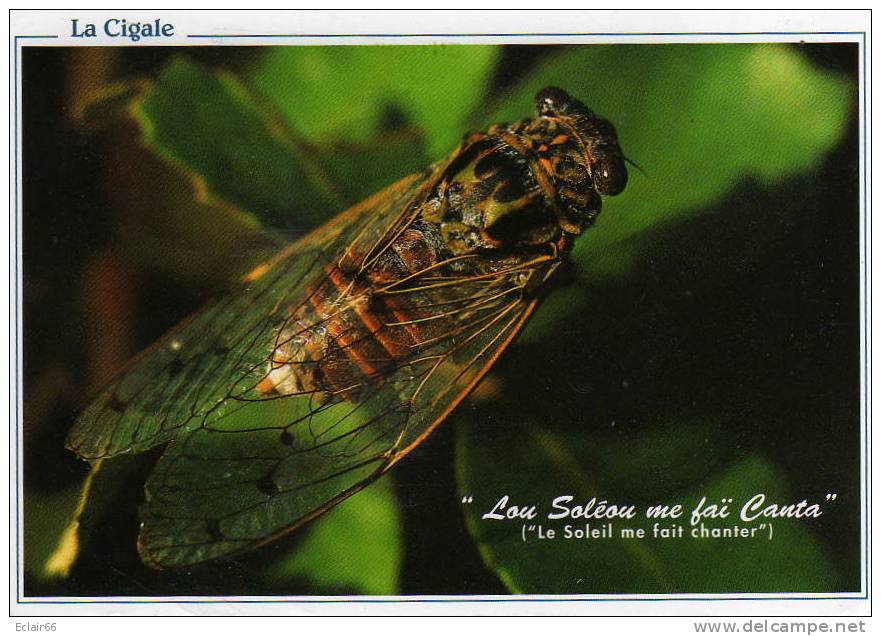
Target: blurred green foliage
x=354 y=88
x=618 y=389
x=244 y=159
x=355 y=547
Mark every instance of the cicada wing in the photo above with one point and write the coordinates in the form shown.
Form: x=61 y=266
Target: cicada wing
x=214 y=362
x=218 y=493
x=183 y=381
x=244 y=465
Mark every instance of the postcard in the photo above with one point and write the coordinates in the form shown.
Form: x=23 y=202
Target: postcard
x=317 y=308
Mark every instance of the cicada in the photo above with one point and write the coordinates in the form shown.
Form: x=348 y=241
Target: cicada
x=336 y=358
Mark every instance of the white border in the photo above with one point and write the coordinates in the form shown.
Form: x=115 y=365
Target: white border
x=440 y=27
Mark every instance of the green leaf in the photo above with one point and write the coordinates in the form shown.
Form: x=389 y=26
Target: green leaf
x=356 y=546
x=210 y=123
x=292 y=165
x=345 y=92
x=167 y=218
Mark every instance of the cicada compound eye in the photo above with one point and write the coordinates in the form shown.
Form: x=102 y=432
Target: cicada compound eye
x=609 y=173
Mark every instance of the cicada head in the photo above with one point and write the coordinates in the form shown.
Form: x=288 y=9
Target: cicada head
x=579 y=151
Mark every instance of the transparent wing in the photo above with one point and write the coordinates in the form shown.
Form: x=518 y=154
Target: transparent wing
x=243 y=465
x=217 y=493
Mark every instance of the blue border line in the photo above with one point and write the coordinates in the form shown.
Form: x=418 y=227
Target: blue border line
x=502 y=599
x=867 y=296
x=512 y=35
x=15 y=423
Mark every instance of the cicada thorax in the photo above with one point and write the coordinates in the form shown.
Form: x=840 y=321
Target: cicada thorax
x=490 y=198
x=522 y=184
